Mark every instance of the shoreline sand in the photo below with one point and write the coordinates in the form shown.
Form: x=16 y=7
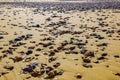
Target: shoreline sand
x=59 y=41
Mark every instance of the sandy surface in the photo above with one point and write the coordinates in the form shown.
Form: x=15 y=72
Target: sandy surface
x=15 y=22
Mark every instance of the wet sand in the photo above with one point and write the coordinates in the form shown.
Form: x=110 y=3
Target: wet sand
x=59 y=42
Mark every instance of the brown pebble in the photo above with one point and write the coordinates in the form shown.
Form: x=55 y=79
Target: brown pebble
x=86 y=60
x=117 y=74
x=35 y=74
x=52 y=74
x=28 y=77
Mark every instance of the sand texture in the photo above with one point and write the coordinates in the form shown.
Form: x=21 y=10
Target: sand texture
x=53 y=41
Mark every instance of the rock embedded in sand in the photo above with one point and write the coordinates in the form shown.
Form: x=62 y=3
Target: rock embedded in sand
x=86 y=60
x=28 y=69
x=99 y=37
x=34 y=64
x=64 y=43
x=37 y=54
x=117 y=74
x=52 y=53
x=83 y=51
x=29 y=52
x=17 y=59
x=60 y=72
x=89 y=54
x=52 y=59
x=9 y=67
x=35 y=26
x=116 y=56
x=104 y=54
x=3 y=73
x=87 y=65
x=52 y=74
x=72 y=48
x=100 y=58
x=1 y=37
x=56 y=64
x=35 y=74
x=96 y=61
x=48 y=69
x=18 y=39
x=78 y=76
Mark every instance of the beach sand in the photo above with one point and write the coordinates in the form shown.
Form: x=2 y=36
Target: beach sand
x=98 y=31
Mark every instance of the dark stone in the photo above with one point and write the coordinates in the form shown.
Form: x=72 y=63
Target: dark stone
x=60 y=72
x=56 y=64
x=37 y=55
x=87 y=65
x=99 y=37
x=83 y=51
x=80 y=43
x=116 y=56
x=34 y=64
x=96 y=61
x=28 y=69
x=52 y=53
x=117 y=74
x=29 y=52
x=72 y=48
x=104 y=54
x=86 y=60
x=18 y=39
x=35 y=74
x=89 y=54
x=36 y=26
x=1 y=37
x=9 y=67
x=48 y=69
x=100 y=58
x=52 y=59
x=78 y=76
x=64 y=43
x=3 y=73
x=51 y=74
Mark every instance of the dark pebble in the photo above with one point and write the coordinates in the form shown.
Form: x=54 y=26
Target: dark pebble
x=100 y=58
x=116 y=56
x=96 y=61
x=104 y=54
x=29 y=52
x=86 y=60
x=1 y=37
x=78 y=76
x=117 y=74
x=9 y=67
x=87 y=65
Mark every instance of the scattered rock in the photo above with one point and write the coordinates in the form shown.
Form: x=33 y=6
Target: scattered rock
x=78 y=76
x=117 y=74
x=51 y=74
x=35 y=26
x=35 y=74
x=9 y=67
x=83 y=51
x=86 y=60
x=87 y=65
x=96 y=61
x=56 y=64
x=29 y=52
x=104 y=54
x=1 y=37
x=116 y=56
x=100 y=58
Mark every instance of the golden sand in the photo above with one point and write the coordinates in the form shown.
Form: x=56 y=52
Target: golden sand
x=71 y=67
